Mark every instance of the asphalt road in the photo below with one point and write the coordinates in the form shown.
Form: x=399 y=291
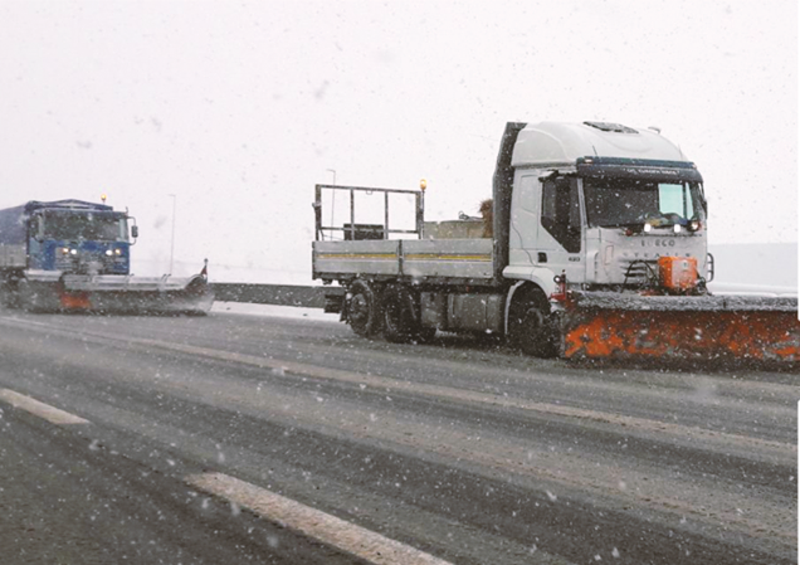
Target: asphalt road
x=239 y=439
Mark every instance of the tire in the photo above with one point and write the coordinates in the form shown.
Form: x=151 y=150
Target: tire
x=401 y=317
x=530 y=327
x=363 y=309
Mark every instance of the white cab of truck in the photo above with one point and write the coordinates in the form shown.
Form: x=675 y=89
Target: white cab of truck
x=601 y=203
x=585 y=207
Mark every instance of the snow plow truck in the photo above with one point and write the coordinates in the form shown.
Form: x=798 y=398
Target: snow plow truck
x=595 y=248
x=71 y=255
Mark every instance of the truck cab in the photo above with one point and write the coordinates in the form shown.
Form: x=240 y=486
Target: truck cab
x=599 y=203
x=72 y=236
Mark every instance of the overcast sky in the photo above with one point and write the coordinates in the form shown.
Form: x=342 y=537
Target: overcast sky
x=239 y=108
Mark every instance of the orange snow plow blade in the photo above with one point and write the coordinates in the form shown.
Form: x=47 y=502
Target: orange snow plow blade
x=703 y=328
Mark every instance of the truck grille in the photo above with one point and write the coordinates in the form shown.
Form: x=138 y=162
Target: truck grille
x=85 y=262
x=638 y=270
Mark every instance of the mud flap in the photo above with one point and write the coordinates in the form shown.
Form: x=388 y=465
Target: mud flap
x=685 y=329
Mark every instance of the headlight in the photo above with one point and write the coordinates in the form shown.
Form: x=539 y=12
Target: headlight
x=73 y=251
x=118 y=251
x=109 y=252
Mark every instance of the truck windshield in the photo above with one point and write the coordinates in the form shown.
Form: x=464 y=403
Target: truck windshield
x=625 y=202
x=85 y=226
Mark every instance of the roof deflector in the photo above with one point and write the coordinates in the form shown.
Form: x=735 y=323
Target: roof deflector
x=608 y=126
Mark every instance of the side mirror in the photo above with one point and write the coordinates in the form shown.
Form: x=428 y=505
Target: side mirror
x=134 y=231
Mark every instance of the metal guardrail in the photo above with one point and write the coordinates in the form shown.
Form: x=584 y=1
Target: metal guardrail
x=283 y=295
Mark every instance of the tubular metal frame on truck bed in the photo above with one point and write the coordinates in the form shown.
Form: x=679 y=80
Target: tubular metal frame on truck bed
x=436 y=261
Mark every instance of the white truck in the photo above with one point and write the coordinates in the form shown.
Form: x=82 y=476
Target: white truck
x=598 y=249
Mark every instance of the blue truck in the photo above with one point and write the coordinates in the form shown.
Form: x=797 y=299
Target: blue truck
x=75 y=255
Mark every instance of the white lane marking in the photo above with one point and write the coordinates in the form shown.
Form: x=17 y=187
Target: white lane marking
x=328 y=529
x=49 y=413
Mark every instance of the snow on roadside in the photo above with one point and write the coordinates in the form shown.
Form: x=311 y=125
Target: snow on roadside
x=750 y=289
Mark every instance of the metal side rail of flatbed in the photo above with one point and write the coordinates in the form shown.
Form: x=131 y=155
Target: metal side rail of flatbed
x=468 y=259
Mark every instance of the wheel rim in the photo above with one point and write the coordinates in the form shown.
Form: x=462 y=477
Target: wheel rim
x=359 y=309
x=531 y=332
x=399 y=319
x=363 y=309
x=533 y=322
x=393 y=314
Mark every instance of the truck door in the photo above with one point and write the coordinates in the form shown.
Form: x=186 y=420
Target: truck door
x=524 y=220
x=560 y=237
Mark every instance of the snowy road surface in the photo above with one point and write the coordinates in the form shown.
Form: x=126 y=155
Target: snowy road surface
x=283 y=438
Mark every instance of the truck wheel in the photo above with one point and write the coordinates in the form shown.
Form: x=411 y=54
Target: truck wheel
x=398 y=314
x=530 y=328
x=401 y=317
x=363 y=309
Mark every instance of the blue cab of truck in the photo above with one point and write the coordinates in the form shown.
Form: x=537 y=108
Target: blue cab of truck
x=71 y=236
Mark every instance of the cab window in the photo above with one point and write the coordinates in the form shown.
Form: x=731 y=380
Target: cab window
x=561 y=215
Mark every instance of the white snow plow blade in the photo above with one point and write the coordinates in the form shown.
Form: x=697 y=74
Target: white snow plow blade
x=48 y=291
